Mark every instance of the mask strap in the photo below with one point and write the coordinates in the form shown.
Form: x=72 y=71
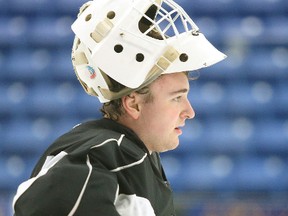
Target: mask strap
x=159 y=67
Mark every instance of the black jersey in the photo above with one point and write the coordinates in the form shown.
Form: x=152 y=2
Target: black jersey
x=98 y=168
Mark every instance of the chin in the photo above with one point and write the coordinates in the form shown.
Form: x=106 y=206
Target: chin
x=171 y=147
x=175 y=146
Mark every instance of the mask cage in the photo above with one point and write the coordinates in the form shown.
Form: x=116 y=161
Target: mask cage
x=166 y=20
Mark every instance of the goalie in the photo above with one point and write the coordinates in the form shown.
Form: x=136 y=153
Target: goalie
x=134 y=56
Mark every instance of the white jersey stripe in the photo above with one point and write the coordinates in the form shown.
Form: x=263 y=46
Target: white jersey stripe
x=76 y=205
x=130 y=165
x=109 y=140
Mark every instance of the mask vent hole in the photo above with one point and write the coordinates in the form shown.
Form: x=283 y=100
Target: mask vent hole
x=183 y=57
x=139 y=57
x=111 y=15
x=118 y=48
x=88 y=17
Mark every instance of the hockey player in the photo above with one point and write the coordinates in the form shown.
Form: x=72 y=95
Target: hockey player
x=134 y=56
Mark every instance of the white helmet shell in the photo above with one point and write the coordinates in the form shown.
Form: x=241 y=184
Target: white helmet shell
x=134 y=42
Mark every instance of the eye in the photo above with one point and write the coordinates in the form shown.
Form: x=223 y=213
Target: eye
x=178 y=98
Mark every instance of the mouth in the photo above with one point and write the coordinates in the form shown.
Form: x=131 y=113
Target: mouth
x=178 y=130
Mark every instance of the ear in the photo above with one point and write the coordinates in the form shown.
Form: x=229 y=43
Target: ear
x=131 y=105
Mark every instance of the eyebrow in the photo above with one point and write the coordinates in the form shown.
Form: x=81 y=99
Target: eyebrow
x=184 y=90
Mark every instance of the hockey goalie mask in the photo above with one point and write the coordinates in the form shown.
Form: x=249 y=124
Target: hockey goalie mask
x=133 y=42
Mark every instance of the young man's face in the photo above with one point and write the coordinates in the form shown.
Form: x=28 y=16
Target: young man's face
x=161 y=120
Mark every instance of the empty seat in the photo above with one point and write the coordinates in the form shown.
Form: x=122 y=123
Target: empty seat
x=261 y=7
x=13 y=31
x=281 y=95
x=68 y=7
x=225 y=173
x=200 y=172
x=250 y=98
x=4 y=6
x=277 y=25
x=271 y=136
x=262 y=174
x=227 y=135
x=21 y=137
x=38 y=64
x=32 y=136
x=208 y=97
x=88 y=107
x=265 y=63
x=51 y=32
x=14 y=170
x=215 y=7
x=14 y=97
x=30 y=7
x=61 y=65
x=28 y=64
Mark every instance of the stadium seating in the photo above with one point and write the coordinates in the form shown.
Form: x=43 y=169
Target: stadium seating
x=238 y=140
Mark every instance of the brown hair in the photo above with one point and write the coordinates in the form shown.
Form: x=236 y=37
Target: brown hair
x=114 y=109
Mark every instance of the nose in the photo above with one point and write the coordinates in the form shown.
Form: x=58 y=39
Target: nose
x=188 y=112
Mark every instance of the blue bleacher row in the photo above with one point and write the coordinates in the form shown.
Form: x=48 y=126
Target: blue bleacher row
x=216 y=7
x=49 y=31
x=225 y=173
x=238 y=135
x=42 y=7
x=16 y=31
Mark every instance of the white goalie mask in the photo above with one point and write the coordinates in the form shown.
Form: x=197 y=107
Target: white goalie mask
x=133 y=42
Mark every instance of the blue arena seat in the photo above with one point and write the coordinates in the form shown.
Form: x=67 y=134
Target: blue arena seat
x=262 y=173
x=5 y=100
x=20 y=137
x=28 y=64
x=198 y=173
x=69 y=7
x=4 y=7
x=263 y=7
x=281 y=104
x=61 y=65
x=225 y=8
x=277 y=27
x=30 y=7
x=32 y=136
x=14 y=170
x=51 y=32
x=14 y=97
x=271 y=136
x=52 y=99
x=249 y=98
x=13 y=30
x=256 y=68
x=224 y=173
x=87 y=106
x=199 y=7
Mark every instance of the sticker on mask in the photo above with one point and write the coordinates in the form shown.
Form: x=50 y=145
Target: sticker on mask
x=92 y=72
